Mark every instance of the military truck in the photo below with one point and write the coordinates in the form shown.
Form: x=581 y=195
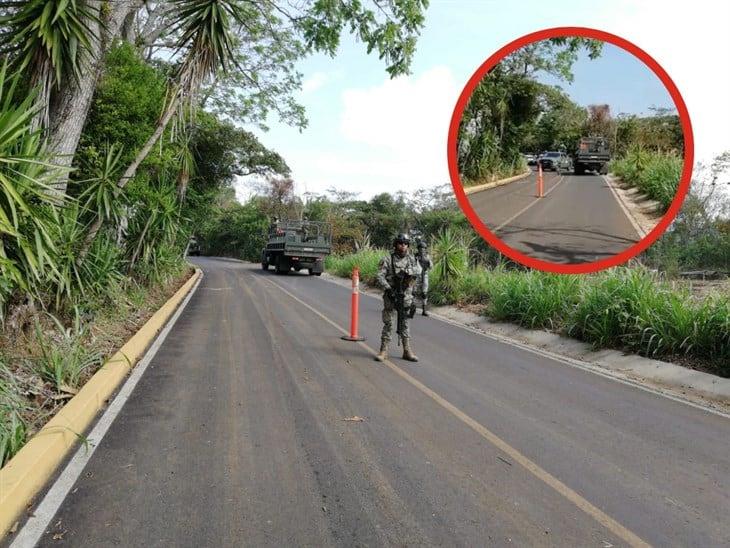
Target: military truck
x=592 y=154
x=298 y=245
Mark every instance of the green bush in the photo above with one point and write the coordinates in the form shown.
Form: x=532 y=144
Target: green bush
x=656 y=174
x=367 y=260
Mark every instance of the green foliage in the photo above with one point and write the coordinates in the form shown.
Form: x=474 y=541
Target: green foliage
x=367 y=261
x=656 y=174
x=50 y=38
x=127 y=103
x=235 y=231
x=13 y=429
x=66 y=355
x=534 y=299
x=450 y=252
x=391 y=28
x=26 y=202
x=554 y=56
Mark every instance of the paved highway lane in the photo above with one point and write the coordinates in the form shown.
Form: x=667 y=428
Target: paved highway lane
x=578 y=220
x=235 y=436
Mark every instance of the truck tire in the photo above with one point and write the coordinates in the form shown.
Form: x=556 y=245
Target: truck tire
x=579 y=169
x=282 y=265
x=604 y=169
x=264 y=265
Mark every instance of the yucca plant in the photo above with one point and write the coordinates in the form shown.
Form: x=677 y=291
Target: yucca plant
x=13 y=428
x=65 y=357
x=26 y=208
x=450 y=256
x=49 y=40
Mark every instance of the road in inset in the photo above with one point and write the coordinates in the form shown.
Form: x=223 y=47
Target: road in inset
x=578 y=220
x=256 y=425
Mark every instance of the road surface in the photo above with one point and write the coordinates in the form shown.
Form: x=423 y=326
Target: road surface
x=236 y=435
x=578 y=220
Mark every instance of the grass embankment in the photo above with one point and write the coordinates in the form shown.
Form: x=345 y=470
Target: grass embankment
x=503 y=171
x=625 y=308
x=653 y=173
x=44 y=363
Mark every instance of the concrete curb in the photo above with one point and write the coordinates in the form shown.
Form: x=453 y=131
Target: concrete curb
x=23 y=477
x=486 y=186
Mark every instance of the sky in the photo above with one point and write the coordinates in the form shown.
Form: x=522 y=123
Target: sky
x=370 y=134
x=616 y=78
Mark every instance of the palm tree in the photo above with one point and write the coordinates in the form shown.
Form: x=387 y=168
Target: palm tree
x=206 y=38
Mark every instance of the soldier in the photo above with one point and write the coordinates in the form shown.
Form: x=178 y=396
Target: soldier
x=424 y=259
x=399 y=270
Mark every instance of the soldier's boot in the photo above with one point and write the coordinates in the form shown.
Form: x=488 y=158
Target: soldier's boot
x=407 y=352
x=425 y=308
x=383 y=354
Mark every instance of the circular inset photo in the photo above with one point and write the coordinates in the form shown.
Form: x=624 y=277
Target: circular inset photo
x=570 y=150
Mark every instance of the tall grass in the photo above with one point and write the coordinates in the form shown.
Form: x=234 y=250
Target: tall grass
x=656 y=174
x=367 y=260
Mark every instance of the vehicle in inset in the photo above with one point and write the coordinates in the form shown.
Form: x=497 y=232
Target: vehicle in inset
x=555 y=161
x=592 y=155
x=298 y=245
x=531 y=159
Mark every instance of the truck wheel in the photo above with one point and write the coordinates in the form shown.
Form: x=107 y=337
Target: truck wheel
x=264 y=265
x=311 y=272
x=282 y=265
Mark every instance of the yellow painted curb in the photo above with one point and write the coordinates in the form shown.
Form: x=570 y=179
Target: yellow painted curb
x=485 y=186
x=28 y=471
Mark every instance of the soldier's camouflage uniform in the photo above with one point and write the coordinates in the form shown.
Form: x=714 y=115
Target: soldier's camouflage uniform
x=386 y=280
x=424 y=259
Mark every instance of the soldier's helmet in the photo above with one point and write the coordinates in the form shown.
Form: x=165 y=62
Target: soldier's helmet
x=402 y=238
x=421 y=244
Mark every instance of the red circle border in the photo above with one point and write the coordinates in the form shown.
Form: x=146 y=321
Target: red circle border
x=579 y=268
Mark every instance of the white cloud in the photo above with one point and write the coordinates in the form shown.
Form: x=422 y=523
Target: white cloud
x=692 y=45
x=400 y=127
x=314 y=82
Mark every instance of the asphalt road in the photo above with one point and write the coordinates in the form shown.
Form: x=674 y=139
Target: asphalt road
x=236 y=435
x=578 y=220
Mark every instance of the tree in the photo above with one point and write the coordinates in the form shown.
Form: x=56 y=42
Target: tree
x=62 y=45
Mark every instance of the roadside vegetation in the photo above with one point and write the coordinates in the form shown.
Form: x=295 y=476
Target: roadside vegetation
x=120 y=139
x=655 y=174
x=627 y=308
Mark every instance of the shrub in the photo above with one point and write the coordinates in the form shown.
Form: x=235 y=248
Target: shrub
x=656 y=174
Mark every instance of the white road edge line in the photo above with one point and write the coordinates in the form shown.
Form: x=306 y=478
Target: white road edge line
x=596 y=369
x=528 y=206
x=640 y=231
x=36 y=525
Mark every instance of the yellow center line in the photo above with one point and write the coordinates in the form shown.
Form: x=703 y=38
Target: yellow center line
x=528 y=206
x=543 y=475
